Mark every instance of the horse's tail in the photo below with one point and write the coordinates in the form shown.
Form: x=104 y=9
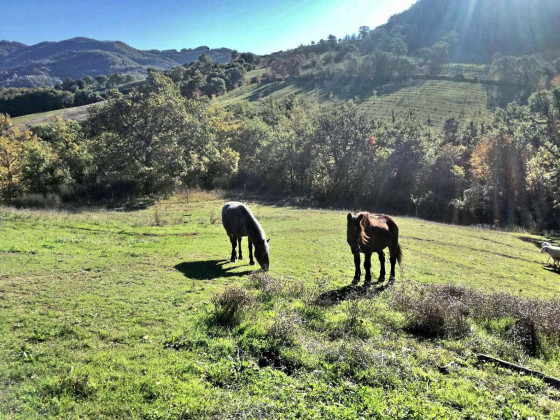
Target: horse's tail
x=398 y=254
x=395 y=249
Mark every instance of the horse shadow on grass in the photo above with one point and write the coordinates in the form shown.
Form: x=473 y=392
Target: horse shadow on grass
x=552 y=269
x=208 y=269
x=335 y=296
x=538 y=243
x=553 y=239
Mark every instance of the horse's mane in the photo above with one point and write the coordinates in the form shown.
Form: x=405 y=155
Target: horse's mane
x=369 y=222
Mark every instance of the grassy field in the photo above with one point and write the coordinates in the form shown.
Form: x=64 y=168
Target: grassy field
x=113 y=314
x=78 y=113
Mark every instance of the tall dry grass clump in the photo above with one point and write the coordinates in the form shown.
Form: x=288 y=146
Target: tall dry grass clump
x=444 y=310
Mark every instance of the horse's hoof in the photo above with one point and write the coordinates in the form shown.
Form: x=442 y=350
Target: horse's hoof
x=367 y=284
x=355 y=281
x=392 y=278
x=251 y=262
x=380 y=279
x=240 y=258
x=232 y=260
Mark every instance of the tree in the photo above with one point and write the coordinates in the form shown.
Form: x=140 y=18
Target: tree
x=69 y=85
x=38 y=172
x=217 y=86
x=13 y=143
x=87 y=82
x=138 y=138
x=364 y=32
x=234 y=55
x=235 y=77
x=101 y=80
x=116 y=79
x=73 y=162
x=399 y=47
x=205 y=60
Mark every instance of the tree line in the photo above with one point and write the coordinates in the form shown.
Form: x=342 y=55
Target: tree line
x=69 y=93
x=502 y=168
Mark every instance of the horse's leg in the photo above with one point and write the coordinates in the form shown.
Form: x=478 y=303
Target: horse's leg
x=358 y=272
x=367 y=266
x=381 y=266
x=233 y=241
x=393 y=260
x=251 y=261
x=239 y=248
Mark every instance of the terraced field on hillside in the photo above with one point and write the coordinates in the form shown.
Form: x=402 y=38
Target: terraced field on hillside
x=434 y=100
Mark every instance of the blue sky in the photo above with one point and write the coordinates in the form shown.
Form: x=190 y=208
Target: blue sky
x=247 y=25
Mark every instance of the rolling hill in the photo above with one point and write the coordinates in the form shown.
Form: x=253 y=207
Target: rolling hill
x=485 y=27
x=47 y=63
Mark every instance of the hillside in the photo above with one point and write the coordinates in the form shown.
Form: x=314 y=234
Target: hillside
x=117 y=314
x=485 y=27
x=78 y=113
x=47 y=63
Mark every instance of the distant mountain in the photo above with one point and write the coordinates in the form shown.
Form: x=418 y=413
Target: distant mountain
x=485 y=27
x=8 y=47
x=47 y=63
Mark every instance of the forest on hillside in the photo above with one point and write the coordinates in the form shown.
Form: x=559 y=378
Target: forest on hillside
x=155 y=136
x=500 y=169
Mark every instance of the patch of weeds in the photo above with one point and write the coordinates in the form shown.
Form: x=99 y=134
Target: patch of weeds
x=272 y=287
x=213 y=217
x=149 y=390
x=75 y=385
x=231 y=372
x=258 y=342
x=38 y=336
x=229 y=306
x=284 y=327
x=189 y=341
x=444 y=310
x=313 y=317
x=432 y=311
x=158 y=214
x=355 y=320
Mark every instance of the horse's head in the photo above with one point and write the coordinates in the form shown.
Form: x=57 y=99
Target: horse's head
x=355 y=231
x=261 y=254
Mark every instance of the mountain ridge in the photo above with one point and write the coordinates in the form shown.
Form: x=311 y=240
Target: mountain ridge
x=49 y=62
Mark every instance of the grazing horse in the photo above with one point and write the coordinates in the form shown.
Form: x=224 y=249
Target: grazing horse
x=369 y=233
x=238 y=221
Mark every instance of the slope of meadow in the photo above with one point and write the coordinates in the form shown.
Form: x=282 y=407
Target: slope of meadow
x=78 y=113
x=113 y=314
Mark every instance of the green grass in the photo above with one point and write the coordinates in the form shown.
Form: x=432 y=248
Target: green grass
x=78 y=113
x=109 y=314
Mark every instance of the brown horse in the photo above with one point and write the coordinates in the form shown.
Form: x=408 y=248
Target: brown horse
x=369 y=233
